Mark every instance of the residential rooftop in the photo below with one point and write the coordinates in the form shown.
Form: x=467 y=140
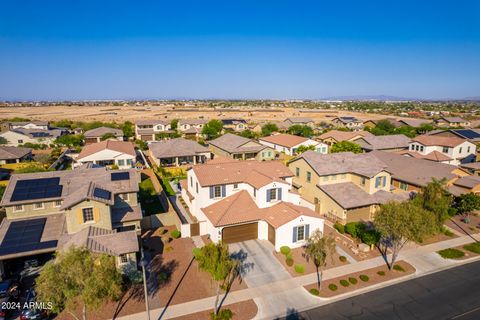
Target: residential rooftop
x=284 y=140
x=233 y=143
x=177 y=147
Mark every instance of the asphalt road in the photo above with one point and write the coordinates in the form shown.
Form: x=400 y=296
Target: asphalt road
x=451 y=294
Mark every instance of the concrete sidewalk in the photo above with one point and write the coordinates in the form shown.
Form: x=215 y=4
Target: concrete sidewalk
x=423 y=258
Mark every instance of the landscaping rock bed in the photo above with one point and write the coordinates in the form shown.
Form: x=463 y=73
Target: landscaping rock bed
x=358 y=280
x=244 y=310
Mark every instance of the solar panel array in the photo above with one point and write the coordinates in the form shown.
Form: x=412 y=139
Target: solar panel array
x=117 y=176
x=469 y=134
x=32 y=189
x=23 y=236
x=102 y=194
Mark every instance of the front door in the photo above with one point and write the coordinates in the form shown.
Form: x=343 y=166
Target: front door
x=316 y=201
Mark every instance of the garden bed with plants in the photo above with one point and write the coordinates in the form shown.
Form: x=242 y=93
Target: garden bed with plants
x=469 y=226
x=354 y=233
x=462 y=252
x=296 y=264
x=244 y=310
x=444 y=234
x=354 y=281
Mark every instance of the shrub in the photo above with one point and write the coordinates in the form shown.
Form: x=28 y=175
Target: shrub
x=300 y=268
x=448 y=233
x=449 y=253
x=289 y=262
x=381 y=273
x=175 y=234
x=343 y=258
x=398 y=267
x=344 y=283
x=314 y=291
x=163 y=276
x=168 y=249
x=332 y=287
x=340 y=228
x=351 y=229
x=223 y=314
x=473 y=247
x=285 y=250
x=370 y=237
x=196 y=251
x=352 y=280
x=364 y=277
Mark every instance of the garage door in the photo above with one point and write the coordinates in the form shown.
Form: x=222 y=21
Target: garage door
x=271 y=234
x=240 y=233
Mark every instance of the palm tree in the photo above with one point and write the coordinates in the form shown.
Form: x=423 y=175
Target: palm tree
x=317 y=249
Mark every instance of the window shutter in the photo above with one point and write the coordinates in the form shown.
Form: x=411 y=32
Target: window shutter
x=96 y=214
x=307 y=231
x=224 y=190
x=268 y=195
x=279 y=191
x=211 y=192
x=79 y=216
x=384 y=181
x=294 y=239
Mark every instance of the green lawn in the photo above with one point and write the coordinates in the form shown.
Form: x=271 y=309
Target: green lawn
x=148 y=198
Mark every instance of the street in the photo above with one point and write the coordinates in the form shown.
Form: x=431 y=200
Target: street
x=450 y=294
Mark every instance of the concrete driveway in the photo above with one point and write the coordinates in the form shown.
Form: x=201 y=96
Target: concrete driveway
x=262 y=268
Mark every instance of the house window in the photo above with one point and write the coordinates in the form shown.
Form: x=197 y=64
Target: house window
x=57 y=203
x=217 y=191
x=20 y=141
x=417 y=147
x=363 y=181
x=334 y=177
x=123 y=258
x=269 y=153
x=196 y=187
x=300 y=233
x=235 y=186
x=273 y=194
x=309 y=176
x=468 y=149
x=325 y=178
x=191 y=182
x=445 y=150
x=412 y=147
x=403 y=186
x=460 y=150
x=378 y=182
x=297 y=172
x=421 y=148
x=38 y=206
x=18 y=208
x=121 y=162
x=254 y=192
x=87 y=214
x=124 y=196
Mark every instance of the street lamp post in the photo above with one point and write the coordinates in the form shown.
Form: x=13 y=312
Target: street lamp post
x=143 y=263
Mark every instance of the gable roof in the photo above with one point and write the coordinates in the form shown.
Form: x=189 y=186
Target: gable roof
x=343 y=135
x=151 y=122
x=432 y=156
x=210 y=174
x=100 y=131
x=347 y=119
x=468 y=182
x=177 y=147
x=434 y=140
x=299 y=119
x=7 y=152
x=394 y=141
x=192 y=121
x=119 y=146
x=363 y=164
x=235 y=143
x=454 y=119
x=284 y=139
x=413 y=122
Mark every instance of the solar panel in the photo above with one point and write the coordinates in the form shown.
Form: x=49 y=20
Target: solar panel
x=32 y=189
x=117 y=176
x=469 y=134
x=23 y=236
x=102 y=194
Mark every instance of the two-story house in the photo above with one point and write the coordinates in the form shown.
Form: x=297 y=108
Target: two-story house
x=102 y=133
x=303 y=121
x=451 y=150
x=236 y=125
x=146 y=130
x=288 y=143
x=242 y=200
x=351 y=123
x=343 y=186
x=452 y=122
x=191 y=128
x=236 y=147
x=108 y=153
x=91 y=207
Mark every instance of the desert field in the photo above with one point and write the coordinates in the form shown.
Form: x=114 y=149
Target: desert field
x=131 y=113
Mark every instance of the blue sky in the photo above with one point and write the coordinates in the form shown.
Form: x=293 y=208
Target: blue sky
x=238 y=49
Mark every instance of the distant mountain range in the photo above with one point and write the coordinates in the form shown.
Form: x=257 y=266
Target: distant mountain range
x=394 y=98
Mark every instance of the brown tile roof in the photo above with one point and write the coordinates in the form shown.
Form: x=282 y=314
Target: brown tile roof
x=434 y=140
x=349 y=196
x=343 y=135
x=233 y=143
x=100 y=131
x=363 y=164
x=432 y=156
x=178 y=147
x=394 y=141
x=418 y=172
x=240 y=208
x=284 y=139
x=468 y=182
x=472 y=165
x=7 y=153
x=126 y=214
x=239 y=171
x=119 y=146
x=151 y=122
x=299 y=119
x=454 y=119
x=413 y=122
x=192 y=121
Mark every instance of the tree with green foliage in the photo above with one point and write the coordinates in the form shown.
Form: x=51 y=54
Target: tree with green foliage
x=78 y=278
x=301 y=149
x=212 y=129
x=3 y=140
x=249 y=134
x=435 y=198
x=128 y=129
x=346 y=146
x=302 y=131
x=215 y=259
x=317 y=249
x=424 y=128
x=108 y=136
x=269 y=128
x=383 y=127
x=43 y=158
x=467 y=203
x=174 y=124
x=400 y=222
x=70 y=140
x=406 y=130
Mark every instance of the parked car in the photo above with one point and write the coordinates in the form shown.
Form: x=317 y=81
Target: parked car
x=9 y=294
x=32 y=313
